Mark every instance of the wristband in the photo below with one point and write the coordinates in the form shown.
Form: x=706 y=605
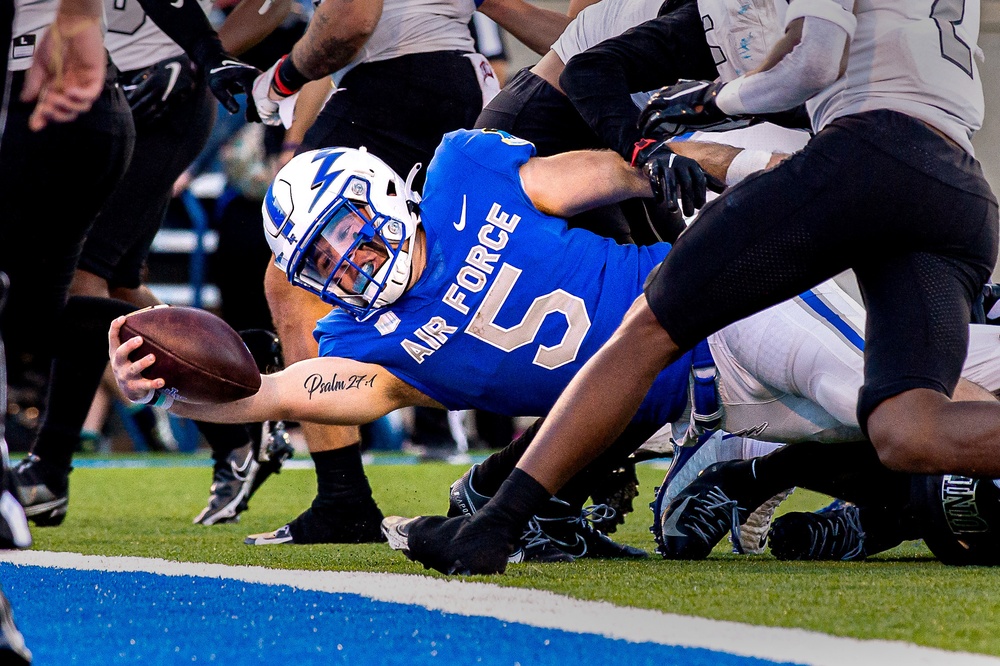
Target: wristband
x=163 y=399
x=290 y=145
x=728 y=100
x=144 y=400
x=155 y=398
x=746 y=163
x=287 y=78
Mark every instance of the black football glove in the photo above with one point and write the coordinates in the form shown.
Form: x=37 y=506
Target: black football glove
x=228 y=76
x=671 y=176
x=684 y=107
x=159 y=87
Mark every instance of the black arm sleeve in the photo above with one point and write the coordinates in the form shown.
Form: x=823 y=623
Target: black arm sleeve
x=651 y=55
x=188 y=26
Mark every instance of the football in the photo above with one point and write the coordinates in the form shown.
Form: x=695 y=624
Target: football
x=201 y=358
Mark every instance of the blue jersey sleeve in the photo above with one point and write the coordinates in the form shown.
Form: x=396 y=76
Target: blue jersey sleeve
x=491 y=150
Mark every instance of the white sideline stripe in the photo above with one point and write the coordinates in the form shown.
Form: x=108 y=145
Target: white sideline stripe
x=542 y=609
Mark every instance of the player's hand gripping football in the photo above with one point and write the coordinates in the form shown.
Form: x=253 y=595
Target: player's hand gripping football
x=672 y=177
x=127 y=373
x=684 y=107
x=154 y=90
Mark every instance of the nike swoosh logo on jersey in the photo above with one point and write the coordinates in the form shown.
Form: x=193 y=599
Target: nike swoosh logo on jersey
x=670 y=524
x=177 y=3
x=175 y=72
x=227 y=64
x=461 y=220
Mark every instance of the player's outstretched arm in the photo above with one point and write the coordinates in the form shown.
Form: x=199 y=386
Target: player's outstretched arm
x=329 y=390
x=250 y=22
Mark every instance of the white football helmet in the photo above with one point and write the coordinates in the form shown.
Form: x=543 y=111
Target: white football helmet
x=338 y=221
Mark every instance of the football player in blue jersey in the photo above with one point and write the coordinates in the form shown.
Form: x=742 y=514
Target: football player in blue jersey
x=479 y=296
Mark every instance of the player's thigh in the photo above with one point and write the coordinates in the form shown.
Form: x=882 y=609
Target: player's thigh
x=119 y=241
x=919 y=306
x=796 y=366
x=52 y=184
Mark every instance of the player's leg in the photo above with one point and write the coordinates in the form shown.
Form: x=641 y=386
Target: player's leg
x=564 y=522
x=344 y=510
x=436 y=93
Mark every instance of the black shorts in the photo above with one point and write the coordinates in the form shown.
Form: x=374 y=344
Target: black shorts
x=878 y=192
x=119 y=242
x=400 y=108
x=529 y=107
x=52 y=184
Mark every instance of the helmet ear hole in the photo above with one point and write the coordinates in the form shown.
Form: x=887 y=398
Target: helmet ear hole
x=390 y=190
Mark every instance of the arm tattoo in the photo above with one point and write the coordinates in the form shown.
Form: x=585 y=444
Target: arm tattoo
x=315 y=383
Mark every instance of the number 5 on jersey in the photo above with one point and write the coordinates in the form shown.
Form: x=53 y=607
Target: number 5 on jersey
x=485 y=328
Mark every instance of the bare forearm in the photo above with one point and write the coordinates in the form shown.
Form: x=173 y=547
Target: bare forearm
x=533 y=26
x=245 y=26
x=566 y=184
x=336 y=33
x=311 y=99
x=713 y=158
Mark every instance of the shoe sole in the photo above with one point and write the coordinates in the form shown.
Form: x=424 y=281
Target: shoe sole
x=230 y=510
x=391 y=531
x=47 y=514
x=267 y=539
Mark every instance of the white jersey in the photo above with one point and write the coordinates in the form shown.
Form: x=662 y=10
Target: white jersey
x=133 y=40
x=917 y=57
x=741 y=33
x=603 y=20
x=416 y=26
x=31 y=19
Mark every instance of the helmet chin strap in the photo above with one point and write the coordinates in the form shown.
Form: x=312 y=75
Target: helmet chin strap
x=396 y=282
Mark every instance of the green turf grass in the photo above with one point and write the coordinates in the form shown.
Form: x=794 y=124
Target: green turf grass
x=903 y=594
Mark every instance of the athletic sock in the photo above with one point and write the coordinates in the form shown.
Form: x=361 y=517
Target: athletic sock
x=340 y=479
x=518 y=499
x=850 y=471
x=492 y=472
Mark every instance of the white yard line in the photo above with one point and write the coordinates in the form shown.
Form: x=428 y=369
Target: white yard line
x=543 y=609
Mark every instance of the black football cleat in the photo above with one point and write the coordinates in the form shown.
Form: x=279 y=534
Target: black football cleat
x=463 y=500
x=825 y=535
x=359 y=522
x=275 y=450
x=699 y=517
x=44 y=495
x=535 y=546
x=576 y=536
x=12 y=648
x=232 y=479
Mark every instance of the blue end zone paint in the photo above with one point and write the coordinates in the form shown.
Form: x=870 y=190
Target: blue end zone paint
x=98 y=617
